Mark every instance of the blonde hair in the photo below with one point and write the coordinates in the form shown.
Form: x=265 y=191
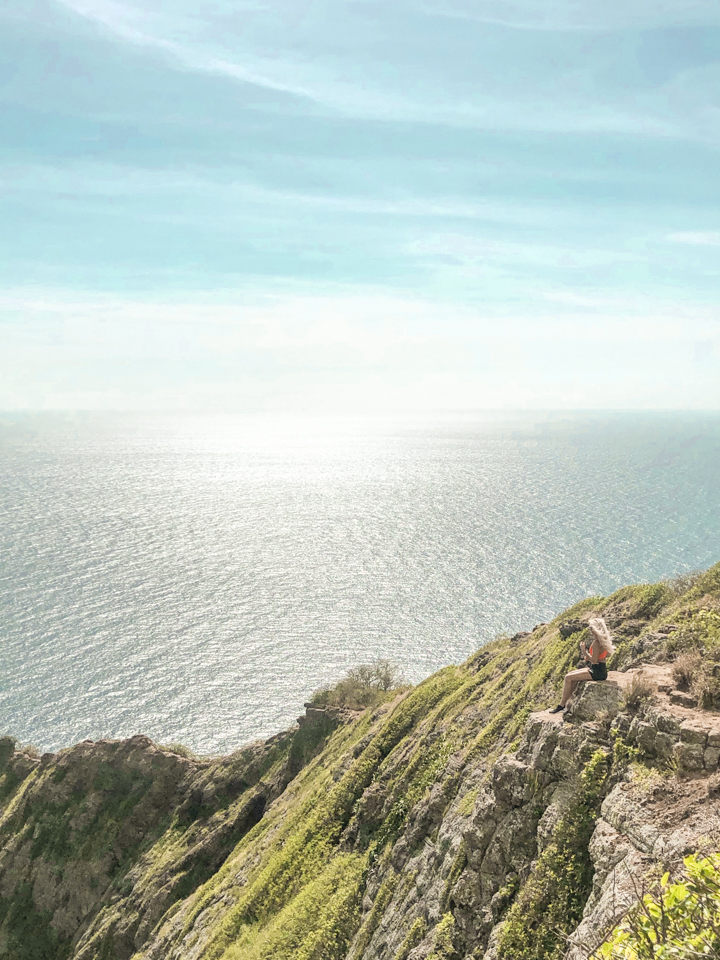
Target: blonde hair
x=600 y=632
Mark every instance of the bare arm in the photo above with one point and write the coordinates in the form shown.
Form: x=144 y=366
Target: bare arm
x=593 y=654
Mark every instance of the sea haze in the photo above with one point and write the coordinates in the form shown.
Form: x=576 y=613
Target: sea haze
x=196 y=578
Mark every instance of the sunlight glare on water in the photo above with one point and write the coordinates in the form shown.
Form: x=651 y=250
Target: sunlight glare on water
x=196 y=578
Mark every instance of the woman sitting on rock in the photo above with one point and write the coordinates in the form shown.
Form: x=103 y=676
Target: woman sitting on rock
x=600 y=646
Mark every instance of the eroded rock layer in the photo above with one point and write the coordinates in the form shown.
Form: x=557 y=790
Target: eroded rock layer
x=457 y=819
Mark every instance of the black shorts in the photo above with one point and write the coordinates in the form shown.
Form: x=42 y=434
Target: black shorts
x=598 y=671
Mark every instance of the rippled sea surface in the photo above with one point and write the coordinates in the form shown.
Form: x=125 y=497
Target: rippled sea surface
x=197 y=578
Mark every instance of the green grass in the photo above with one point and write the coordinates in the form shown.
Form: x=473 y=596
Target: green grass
x=465 y=807
x=416 y=933
x=317 y=924
x=311 y=841
x=292 y=884
x=28 y=931
x=371 y=922
x=551 y=903
x=458 y=865
x=500 y=693
x=443 y=948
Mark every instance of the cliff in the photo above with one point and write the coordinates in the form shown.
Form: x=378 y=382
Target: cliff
x=457 y=819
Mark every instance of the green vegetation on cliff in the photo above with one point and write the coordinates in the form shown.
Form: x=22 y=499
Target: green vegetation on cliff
x=552 y=901
x=384 y=824
x=680 y=921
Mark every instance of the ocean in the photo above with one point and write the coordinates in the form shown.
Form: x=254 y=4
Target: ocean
x=195 y=578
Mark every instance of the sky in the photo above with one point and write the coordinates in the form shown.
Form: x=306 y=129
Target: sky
x=355 y=206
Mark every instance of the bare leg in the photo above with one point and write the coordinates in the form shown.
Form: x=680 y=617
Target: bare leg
x=572 y=679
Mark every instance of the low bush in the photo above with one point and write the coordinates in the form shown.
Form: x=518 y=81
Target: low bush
x=638 y=692
x=624 y=754
x=364 y=686
x=699 y=632
x=415 y=935
x=681 y=921
x=683 y=582
x=685 y=669
x=708 y=584
x=641 y=601
x=443 y=948
x=645 y=778
x=180 y=749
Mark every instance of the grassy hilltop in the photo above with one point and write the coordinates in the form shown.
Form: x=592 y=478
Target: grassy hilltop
x=448 y=820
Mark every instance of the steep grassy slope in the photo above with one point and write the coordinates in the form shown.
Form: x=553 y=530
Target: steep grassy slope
x=406 y=831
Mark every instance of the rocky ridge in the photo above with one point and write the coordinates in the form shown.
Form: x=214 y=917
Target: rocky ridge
x=434 y=826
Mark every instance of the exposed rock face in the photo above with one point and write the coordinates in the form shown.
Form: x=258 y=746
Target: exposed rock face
x=79 y=830
x=598 y=699
x=468 y=860
x=526 y=796
x=415 y=831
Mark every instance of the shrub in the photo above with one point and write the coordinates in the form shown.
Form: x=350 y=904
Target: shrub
x=645 y=778
x=180 y=749
x=623 y=754
x=415 y=935
x=386 y=675
x=685 y=669
x=700 y=631
x=708 y=624
x=708 y=584
x=638 y=692
x=364 y=686
x=683 y=582
x=443 y=948
x=705 y=690
x=7 y=748
x=642 y=601
x=651 y=599
x=681 y=922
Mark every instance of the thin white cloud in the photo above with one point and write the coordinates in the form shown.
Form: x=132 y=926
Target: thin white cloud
x=359 y=90
x=580 y=15
x=291 y=318
x=131 y=25
x=468 y=251
x=696 y=238
x=87 y=181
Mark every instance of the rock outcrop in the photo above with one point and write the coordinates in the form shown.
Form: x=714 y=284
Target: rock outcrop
x=428 y=828
x=82 y=831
